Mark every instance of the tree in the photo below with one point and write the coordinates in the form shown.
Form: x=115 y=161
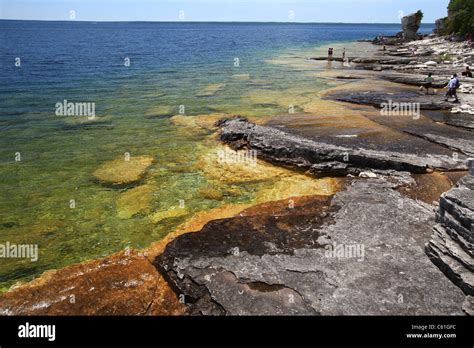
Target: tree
x=419 y=15
x=461 y=17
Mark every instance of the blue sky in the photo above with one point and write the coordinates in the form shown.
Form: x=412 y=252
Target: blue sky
x=348 y=11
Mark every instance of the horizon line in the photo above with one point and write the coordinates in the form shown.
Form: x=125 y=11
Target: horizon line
x=181 y=21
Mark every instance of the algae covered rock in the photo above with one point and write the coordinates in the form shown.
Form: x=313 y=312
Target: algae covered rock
x=135 y=201
x=210 y=192
x=171 y=213
x=123 y=171
x=211 y=90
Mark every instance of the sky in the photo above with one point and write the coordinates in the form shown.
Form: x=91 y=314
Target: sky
x=346 y=11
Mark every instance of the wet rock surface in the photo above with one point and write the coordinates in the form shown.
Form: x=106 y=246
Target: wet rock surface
x=451 y=247
x=325 y=158
x=378 y=99
x=460 y=120
x=413 y=79
x=361 y=252
x=454 y=138
x=124 y=283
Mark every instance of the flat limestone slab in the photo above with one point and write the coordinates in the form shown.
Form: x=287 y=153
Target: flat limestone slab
x=359 y=253
x=337 y=156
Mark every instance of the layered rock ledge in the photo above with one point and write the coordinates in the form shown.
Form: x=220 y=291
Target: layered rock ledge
x=359 y=253
x=451 y=246
x=322 y=158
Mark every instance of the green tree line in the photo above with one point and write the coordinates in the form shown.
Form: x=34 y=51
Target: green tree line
x=461 y=17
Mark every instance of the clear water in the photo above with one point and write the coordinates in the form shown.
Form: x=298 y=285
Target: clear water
x=171 y=64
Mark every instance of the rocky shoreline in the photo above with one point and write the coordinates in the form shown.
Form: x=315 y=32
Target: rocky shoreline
x=295 y=260
x=376 y=247
x=278 y=262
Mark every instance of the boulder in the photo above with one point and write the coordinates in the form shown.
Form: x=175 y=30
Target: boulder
x=440 y=26
x=410 y=25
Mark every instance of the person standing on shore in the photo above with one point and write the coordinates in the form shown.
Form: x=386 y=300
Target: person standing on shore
x=344 y=54
x=453 y=85
x=330 y=53
x=428 y=84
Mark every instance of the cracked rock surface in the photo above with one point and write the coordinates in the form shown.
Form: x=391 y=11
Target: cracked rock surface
x=360 y=252
x=451 y=246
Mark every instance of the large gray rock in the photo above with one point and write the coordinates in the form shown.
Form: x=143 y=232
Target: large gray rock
x=451 y=247
x=322 y=158
x=359 y=253
x=410 y=25
x=377 y=99
x=414 y=79
x=440 y=26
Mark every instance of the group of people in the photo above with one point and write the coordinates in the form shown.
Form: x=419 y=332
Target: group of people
x=331 y=53
x=453 y=85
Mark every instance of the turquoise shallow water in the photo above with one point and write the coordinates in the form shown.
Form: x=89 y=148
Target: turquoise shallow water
x=172 y=64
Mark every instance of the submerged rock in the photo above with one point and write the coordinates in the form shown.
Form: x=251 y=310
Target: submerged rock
x=174 y=212
x=198 y=122
x=135 y=201
x=224 y=168
x=211 y=90
x=241 y=77
x=210 y=192
x=359 y=253
x=160 y=111
x=123 y=171
x=84 y=122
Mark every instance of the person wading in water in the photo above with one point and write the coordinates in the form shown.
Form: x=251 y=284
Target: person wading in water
x=330 y=53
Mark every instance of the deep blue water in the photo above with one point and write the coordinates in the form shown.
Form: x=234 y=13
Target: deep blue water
x=58 y=54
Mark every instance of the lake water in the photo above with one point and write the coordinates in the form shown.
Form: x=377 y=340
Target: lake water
x=46 y=160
